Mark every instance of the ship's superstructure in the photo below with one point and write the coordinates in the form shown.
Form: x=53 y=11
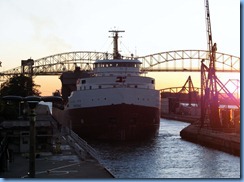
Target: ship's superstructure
x=116 y=103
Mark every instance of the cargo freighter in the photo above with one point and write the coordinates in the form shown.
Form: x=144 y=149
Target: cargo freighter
x=115 y=102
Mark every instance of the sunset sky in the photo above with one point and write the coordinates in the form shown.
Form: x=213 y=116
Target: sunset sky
x=40 y=28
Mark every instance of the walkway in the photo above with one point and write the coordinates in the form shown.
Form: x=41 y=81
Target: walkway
x=63 y=164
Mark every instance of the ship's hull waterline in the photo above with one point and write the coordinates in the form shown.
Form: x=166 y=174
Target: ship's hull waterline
x=115 y=122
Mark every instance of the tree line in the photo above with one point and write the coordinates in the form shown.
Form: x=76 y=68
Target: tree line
x=18 y=85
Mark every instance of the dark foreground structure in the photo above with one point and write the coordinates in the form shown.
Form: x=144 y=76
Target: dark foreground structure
x=64 y=164
x=58 y=158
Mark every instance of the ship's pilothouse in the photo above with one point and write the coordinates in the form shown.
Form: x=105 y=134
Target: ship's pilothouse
x=115 y=77
x=116 y=73
x=117 y=67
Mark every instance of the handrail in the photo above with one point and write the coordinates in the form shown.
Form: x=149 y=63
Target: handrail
x=82 y=143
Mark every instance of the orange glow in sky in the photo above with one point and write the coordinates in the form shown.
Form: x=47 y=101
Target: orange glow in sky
x=40 y=28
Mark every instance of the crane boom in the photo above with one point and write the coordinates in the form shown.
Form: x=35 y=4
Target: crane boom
x=208 y=25
x=210 y=106
x=212 y=48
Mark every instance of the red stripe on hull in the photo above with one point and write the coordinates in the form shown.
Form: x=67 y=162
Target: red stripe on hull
x=115 y=122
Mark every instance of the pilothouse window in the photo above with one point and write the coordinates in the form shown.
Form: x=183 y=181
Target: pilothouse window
x=118 y=64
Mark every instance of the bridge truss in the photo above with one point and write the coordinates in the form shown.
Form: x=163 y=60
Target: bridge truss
x=171 y=61
x=188 y=60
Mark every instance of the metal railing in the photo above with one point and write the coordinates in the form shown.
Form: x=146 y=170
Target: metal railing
x=84 y=145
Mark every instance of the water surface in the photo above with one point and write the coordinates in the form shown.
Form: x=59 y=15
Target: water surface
x=167 y=156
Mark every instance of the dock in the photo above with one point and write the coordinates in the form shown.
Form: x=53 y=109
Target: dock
x=66 y=164
x=223 y=140
x=68 y=159
x=177 y=117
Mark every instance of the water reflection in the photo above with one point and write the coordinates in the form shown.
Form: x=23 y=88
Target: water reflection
x=167 y=156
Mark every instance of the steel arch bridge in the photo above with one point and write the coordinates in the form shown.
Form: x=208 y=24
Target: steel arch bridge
x=171 y=61
x=188 y=60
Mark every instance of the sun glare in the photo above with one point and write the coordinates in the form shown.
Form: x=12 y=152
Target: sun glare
x=231 y=82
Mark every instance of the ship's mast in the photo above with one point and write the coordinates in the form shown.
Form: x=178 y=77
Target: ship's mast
x=116 y=54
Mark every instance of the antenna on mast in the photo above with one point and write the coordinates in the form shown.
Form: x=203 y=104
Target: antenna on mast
x=116 y=54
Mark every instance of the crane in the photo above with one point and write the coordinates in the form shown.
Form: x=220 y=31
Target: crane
x=209 y=92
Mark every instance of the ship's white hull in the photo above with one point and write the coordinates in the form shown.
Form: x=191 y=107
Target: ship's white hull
x=115 y=114
x=114 y=96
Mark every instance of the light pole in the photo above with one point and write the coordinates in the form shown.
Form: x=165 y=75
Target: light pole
x=32 y=103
